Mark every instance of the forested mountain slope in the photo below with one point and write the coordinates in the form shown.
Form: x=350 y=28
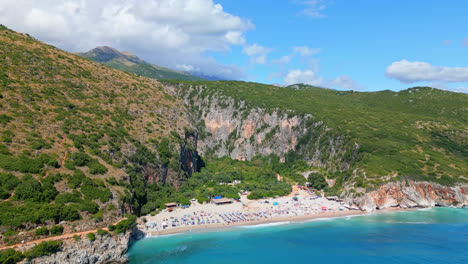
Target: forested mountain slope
x=420 y=133
x=128 y=62
x=76 y=136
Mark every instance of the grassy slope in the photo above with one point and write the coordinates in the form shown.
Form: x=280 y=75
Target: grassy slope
x=420 y=132
x=56 y=103
x=135 y=65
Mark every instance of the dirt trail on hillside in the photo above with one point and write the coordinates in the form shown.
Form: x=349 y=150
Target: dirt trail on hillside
x=61 y=237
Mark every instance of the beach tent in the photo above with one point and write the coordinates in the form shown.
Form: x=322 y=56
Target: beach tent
x=275 y=203
x=217 y=197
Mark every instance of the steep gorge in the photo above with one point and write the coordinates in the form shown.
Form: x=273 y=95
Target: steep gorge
x=233 y=128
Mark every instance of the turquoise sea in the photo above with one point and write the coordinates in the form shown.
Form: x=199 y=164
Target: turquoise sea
x=438 y=235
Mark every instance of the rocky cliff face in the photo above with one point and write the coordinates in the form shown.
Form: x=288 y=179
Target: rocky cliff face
x=413 y=194
x=104 y=249
x=231 y=128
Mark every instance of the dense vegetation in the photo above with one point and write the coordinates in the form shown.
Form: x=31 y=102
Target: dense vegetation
x=419 y=133
x=70 y=129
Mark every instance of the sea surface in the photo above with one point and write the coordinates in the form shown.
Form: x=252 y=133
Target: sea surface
x=438 y=235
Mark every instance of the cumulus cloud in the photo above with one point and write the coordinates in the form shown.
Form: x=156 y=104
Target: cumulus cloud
x=344 y=82
x=257 y=52
x=305 y=51
x=164 y=32
x=417 y=71
x=314 y=8
x=283 y=60
x=302 y=76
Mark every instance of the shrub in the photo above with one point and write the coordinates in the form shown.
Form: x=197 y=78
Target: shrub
x=42 y=231
x=28 y=189
x=89 y=206
x=45 y=248
x=80 y=158
x=10 y=256
x=9 y=233
x=68 y=213
x=4 y=150
x=101 y=232
x=125 y=224
x=91 y=236
x=75 y=180
x=56 y=230
x=96 y=168
x=76 y=238
x=111 y=227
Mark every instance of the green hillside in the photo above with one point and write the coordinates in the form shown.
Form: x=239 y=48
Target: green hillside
x=419 y=133
x=83 y=144
x=76 y=136
x=128 y=62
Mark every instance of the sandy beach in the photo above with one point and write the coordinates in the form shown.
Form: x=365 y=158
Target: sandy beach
x=246 y=212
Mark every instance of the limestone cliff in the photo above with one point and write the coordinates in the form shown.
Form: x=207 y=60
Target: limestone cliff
x=412 y=194
x=105 y=249
x=232 y=128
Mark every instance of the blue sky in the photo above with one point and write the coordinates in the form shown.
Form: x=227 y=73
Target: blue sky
x=361 y=45
x=357 y=39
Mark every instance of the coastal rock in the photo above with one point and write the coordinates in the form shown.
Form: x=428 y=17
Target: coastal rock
x=413 y=194
x=105 y=249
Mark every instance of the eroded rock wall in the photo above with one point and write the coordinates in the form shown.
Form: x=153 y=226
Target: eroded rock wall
x=413 y=194
x=233 y=128
x=105 y=249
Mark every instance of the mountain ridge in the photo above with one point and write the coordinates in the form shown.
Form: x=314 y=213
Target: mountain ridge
x=129 y=62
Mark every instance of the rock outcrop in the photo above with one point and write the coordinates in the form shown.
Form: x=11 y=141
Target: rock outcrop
x=413 y=194
x=105 y=249
x=228 y=127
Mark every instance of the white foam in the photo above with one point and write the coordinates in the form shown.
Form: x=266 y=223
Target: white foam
x=265 y=225
x=166 y=235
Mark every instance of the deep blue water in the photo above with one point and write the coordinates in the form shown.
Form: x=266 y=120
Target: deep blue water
x=437 y=235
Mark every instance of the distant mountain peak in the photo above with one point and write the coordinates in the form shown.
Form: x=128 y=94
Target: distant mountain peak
x=129 y=62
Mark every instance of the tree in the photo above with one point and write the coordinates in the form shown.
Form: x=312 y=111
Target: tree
x=317 y=181
x=42 y=231
x=28 y=189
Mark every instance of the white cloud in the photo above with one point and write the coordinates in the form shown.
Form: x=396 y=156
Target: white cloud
x=283 y=60
x=465 y=42
x=259 y=53
x=164 y=32
x=302 y=76
x=409 y=72
x=255 y=49
x=344 y=82
x=305 y=51
x=461 y=89
x=314 y=8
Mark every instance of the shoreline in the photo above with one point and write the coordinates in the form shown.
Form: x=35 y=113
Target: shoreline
x=286 y=220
